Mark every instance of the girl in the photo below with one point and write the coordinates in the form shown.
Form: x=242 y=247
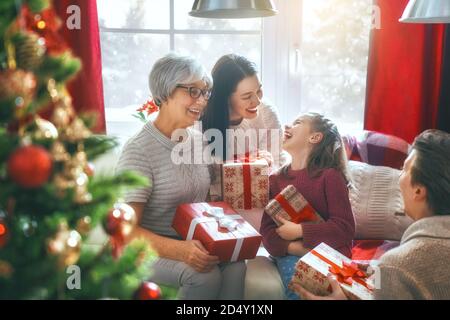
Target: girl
x=319 y=172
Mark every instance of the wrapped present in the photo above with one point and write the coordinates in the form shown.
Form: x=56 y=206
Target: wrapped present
x=215 y=188
x=246 y=183
x=291 y=205
x=221 y=230
x=312 y=269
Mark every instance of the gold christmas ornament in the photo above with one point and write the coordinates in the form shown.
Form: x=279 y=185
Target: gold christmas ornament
x=17 y=85
x=84 y=225
x=77 y=131
x=73 y=168
x=80 y=159
x=51 y=87
x=82 y=194
x=66 y=245
x=61 y=117
x=59 y=152
x=30 y=50
x=62 y=183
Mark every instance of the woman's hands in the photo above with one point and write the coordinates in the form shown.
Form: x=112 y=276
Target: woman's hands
x=266 y=155
x=288 y=230
x=337 y=293
x=198 y=257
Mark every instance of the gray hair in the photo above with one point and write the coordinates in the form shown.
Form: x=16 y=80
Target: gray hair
x=172 y=70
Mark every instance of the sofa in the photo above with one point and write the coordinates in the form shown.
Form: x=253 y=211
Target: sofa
x=371 y=154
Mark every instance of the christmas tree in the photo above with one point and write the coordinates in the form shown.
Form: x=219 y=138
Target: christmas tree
x=50 y=197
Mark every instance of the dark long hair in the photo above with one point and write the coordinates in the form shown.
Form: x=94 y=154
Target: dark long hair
x=228 y=71
x=328 y=153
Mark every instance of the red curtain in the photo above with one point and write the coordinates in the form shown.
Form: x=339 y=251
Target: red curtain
x=87 y=88
x=404 y=74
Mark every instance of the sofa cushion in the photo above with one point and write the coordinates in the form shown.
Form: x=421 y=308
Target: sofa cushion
x=377 y=202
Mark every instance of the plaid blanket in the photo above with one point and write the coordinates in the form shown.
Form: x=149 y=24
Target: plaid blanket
x=377 y=149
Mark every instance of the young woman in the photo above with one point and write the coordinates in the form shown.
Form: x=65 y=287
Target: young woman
x=236 y=103
x=319 y=172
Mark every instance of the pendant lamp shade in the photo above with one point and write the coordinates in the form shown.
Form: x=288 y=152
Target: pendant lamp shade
x=233 y=9
x=427 y=11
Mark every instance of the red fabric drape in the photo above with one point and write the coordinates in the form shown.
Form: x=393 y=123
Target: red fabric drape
x=87 y=88
x=404 y=74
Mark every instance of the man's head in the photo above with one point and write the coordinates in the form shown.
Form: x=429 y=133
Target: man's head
x=425 y=180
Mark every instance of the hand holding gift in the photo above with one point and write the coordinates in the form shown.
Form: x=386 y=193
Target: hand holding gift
x=312 y=269
x=198 y=257
x=288 y=230
x=336 y=291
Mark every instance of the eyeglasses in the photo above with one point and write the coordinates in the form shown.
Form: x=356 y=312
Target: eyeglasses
x=195 y=92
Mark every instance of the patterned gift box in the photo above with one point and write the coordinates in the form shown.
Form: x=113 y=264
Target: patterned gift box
x=312 y=269
x=221 y=230
x=246 y=183
x=291 y=205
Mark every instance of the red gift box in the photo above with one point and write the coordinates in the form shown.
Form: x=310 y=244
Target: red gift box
x=245 y=183
x=292 y=206
x=222 y=231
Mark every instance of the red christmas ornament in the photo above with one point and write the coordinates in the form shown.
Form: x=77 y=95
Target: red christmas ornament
x=3 y=233
x=149 y=291
x=30 y=166
x=119 y=223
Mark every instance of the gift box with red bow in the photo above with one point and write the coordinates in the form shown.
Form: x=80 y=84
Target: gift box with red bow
x=292 y=206
x=245 y=183
x=222 y=231
x=312 y=269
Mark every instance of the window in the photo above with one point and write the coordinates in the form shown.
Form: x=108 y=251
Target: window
x=335 y=51
x=134 y=34
x=312 y=56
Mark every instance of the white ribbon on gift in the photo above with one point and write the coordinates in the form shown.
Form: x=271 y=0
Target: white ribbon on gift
x=217 y=214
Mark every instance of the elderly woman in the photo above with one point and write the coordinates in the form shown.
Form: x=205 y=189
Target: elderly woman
x=236 y=103
x=419 y=267
x=181 y=88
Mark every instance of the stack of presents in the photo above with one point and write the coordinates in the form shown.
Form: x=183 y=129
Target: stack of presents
x=224 y=233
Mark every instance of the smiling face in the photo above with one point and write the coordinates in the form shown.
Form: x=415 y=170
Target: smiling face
x=300 y=135
x=184 y=109
x=245 y=100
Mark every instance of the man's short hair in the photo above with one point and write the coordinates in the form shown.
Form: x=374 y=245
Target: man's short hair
x=431 y=169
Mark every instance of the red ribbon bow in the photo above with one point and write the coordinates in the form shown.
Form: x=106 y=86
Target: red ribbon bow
x=346 y=274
